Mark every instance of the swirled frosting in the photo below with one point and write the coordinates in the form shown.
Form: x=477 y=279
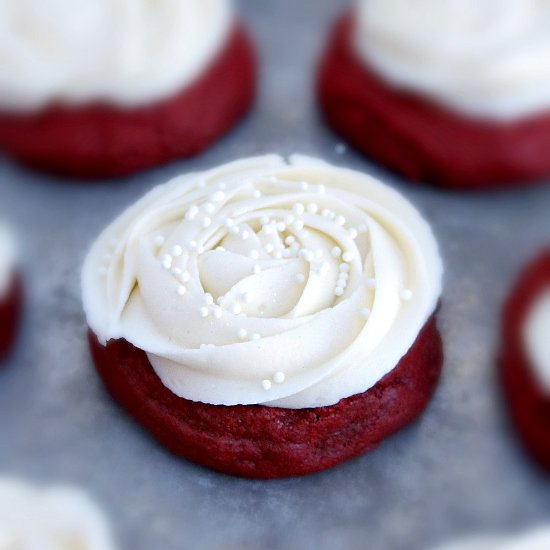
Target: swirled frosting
x=125 y=52
x=50 y=518
x=7 y=258
x=536 y=539
x=292 y=284
x=487 y=58
x=537 y=338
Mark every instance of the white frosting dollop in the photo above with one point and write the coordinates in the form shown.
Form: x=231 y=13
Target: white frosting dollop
x=536 y=337
x=125 y=52
x=486 y=58
x=50 y=518
x=292 y=284
x=535 y=539
x=7 y=258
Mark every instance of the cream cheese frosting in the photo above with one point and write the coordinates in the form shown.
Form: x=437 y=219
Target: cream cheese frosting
x=487 y=58
x=125 y=52
x=537 y=338
x=7 y=259
x=536 y=539
x=50 y=518
x=263 y=281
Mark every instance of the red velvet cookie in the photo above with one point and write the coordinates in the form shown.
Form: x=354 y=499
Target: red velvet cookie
x=267 y=442
x=529 y=402
x=420 y=139
x=10 y=311
x=101 y=140
x=267 y=318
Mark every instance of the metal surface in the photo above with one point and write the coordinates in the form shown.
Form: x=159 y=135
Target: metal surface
x=458 y=469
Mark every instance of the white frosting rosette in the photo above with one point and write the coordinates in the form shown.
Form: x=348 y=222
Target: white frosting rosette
x=7 y=259
x=293 y=284
x=50 y=518
x=536 y=337
x=488 y=58
x=536 y=539
x=126 y=52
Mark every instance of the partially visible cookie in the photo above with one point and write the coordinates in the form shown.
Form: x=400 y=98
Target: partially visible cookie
x=433 y=92
x=525 y=357
x=534 y=539
x=51 y=518
x=10 y=292
x=118 y=90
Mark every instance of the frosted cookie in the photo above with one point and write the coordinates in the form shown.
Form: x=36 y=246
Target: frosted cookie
x=50 y=518
x=267 y=318
x=525 y=357
x=106 y=88
x=455 y=93
x=535 y=539
x=10 y=291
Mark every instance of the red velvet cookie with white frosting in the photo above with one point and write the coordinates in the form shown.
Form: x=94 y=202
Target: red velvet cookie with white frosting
x=108 y=88
x=525 y=357
x=55 y=517
x=10 y=293
x=267 y=318
x=453 y=93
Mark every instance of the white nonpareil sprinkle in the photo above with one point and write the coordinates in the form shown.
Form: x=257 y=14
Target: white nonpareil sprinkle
x=217 y=310
x=159 y=240
x=192 y=212
x=340 y=220
x=236 y=309
x=338 y=291
x=166 y=261
x=312 y=208
x=255 y=336
x=298 y=208
x=353 y=233
x=256 y=268
x=336 y=251
x=406 y=294
x=347 y=256
x=218 y=196
x=177 y=250
x=266 y=384
x=203 y=311
x=208 y=299
x=364 y=312
x=279 y=377
x=206 y=222
x=181 y=290
x=209 y=207
x=242 y=333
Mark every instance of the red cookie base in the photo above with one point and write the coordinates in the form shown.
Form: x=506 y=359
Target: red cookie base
x=10 y=312
x=100 y=140
x=420 y=139
x=266 y=442
x=529 y=405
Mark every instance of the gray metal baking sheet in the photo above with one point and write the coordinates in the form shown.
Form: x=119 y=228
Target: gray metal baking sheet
x=458 y=469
